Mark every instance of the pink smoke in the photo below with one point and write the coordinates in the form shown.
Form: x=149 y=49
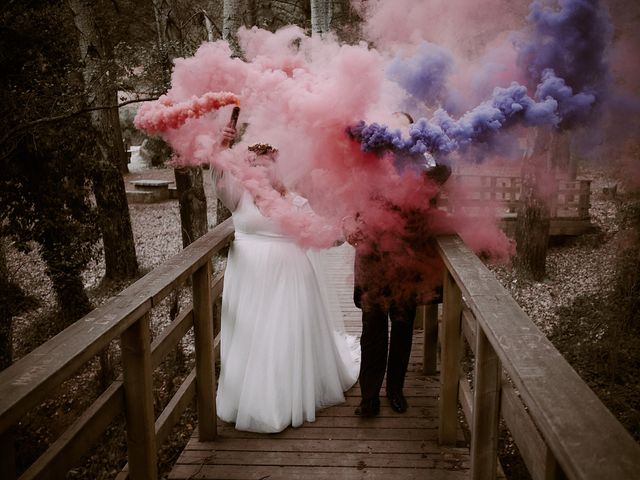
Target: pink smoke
x=299 y=94
x=165 y=114
x=461 y=26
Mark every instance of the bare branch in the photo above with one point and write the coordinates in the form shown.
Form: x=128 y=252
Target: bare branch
x=64 y=116
x=204 y=12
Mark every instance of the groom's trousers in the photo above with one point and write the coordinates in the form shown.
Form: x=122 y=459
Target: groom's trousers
x=379 y=353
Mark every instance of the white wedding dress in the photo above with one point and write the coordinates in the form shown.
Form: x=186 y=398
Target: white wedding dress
x=283 y=352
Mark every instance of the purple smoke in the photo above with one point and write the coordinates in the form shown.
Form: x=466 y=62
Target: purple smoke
x=442 y=134
x=424 y=74
x=565 y=53
x=570 y=107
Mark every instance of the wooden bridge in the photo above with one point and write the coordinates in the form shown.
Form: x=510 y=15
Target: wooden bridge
x=559 y=425
x=339 y=444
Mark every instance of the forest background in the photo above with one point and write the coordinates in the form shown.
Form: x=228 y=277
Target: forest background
x=72 y=74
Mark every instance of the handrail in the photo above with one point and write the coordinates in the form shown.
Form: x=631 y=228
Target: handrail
x=29 y=381
x=582 y=435
x=554 y=417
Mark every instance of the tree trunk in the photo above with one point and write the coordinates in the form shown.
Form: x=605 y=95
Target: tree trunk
x=115 y=223
x=340 y=13
x=275 y=14
x=233 y=14
x=64 y=268
x=193 y=203
x=108 y=184
x=7 y=307
x=320 y=16
x=99 y=77
x=222 y=212
x=189 y=182
x=161 y=12
x=208 y=26
x=537 y=197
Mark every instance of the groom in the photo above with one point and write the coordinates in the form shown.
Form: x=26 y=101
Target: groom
x=383 y=295
x=378 y=305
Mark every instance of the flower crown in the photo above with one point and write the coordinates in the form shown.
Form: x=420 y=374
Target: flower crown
x=262 y=149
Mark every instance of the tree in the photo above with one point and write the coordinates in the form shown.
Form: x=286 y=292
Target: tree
x=345 y=21
x=321 y=13
x=48 y=203
x=108 y=184
x=13 y=300
x=44 y=167
x=193 y=203
x=189 y=180
x=337 y=16
x=7 y=290
x=233 y=16
x=537 y=194
x=275 y=14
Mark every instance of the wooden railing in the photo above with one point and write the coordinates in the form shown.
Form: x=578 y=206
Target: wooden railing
x=561 y=428
x=486 y=191
x=500 y=194
x=559 y=425
x=31 y=380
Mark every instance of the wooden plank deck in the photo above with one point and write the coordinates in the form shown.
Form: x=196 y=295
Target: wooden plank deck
x=339 y=445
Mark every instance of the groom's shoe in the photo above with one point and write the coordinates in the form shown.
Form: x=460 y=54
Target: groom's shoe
x=368 y=408
x=398 y=402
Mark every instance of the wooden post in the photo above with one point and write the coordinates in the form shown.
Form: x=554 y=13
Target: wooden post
x=138 y=400
x=450 y=361
x=430 y=354
x=418 y=322
x=584 y=198
x=486 y=410
x=555 y=200
x=493 y=187
x=217 y=315
x=203 y=333
x=515 y=194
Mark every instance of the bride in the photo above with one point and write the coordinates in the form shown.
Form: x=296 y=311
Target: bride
x=283 y=352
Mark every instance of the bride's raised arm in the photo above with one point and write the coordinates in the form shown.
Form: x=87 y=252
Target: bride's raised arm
x=227 y=188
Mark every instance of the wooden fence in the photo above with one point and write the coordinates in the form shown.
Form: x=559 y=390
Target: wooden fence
x=560 y=426
x=500 y=194
x=31 y=380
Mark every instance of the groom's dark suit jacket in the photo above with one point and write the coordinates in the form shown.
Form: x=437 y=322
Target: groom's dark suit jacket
x=387 y=284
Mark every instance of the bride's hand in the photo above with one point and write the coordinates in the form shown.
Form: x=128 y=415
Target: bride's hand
x=228 y=134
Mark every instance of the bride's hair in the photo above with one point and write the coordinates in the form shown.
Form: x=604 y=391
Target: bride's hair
x=262 y=149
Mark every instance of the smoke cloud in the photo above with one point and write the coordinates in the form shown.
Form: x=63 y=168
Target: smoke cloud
x=473 y=74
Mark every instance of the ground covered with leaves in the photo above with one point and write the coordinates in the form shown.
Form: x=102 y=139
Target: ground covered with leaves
x=576 y=306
